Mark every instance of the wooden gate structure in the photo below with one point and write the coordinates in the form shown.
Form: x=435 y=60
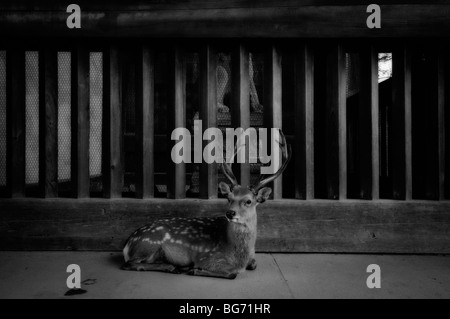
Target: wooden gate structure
x=370 y=171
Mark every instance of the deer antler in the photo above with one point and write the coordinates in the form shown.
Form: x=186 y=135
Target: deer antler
x=226 y=167
x=286 y=153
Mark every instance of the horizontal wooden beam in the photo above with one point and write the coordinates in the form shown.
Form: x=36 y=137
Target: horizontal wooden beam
x=114 y=5
x=200 y=18
x=322 y=226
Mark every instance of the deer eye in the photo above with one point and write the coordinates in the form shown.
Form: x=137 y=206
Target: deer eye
x=248 y=202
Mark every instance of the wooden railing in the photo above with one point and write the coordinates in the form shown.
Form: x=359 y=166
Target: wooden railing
x=319 y=168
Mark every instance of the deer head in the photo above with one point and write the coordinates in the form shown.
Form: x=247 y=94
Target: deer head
x=242 y=201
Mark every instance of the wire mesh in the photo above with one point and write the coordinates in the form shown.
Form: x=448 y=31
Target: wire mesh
x=32 y=117
x=2 y=118
x=96 y=118
x=64 y=119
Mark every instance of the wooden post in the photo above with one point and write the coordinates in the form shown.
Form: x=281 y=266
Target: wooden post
x=145 y=127
x=48 y=122
x=368 y=125
x=336 y=124
x=273 y=103
x=304 y=129
x=112 y=140
x=441 y=82
x=80 y=122
x=401 y=121
x=446 y=137
x=240 y=102
x=176 y=117
x=208 y=115
x=15 y=122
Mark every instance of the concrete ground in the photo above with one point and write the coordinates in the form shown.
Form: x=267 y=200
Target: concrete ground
x=43 y=275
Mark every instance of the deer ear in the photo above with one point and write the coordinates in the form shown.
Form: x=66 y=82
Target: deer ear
x=224 y=188
x=263 y=194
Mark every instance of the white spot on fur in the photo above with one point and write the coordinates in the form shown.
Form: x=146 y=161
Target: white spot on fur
x=166 y=237
x=126 y=250
x=159 y=228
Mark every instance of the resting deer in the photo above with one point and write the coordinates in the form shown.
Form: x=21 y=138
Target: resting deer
x=214 y=247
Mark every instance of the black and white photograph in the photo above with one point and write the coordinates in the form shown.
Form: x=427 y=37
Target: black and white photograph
x=227 y=155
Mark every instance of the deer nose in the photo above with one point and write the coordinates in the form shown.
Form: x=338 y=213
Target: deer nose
x=230 y=214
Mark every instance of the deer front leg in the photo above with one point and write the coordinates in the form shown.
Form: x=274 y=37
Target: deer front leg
x=251 y=264
x=208 y=273
x=151 y=267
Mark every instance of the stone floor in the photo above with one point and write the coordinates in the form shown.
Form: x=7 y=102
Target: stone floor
x=43 y=275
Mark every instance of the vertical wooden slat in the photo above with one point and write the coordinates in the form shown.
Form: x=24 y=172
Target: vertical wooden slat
x=441 y=67
x=401 y=121
x=48 y=122
x=336 y=123
x=112 y=140
x=446 y=137
x=240 y=102
x=176 y=117
x=368 y=125
x=374 y=103
x=15 y=122
x=304 y=128
x=208 y=115
x=145 y=114
x=273 y=102
x=80 y=122
x=408 y=127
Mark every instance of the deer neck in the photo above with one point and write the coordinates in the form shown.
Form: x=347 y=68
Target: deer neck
x=243 y=234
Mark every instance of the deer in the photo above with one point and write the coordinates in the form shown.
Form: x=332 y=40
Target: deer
x=220 y=247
